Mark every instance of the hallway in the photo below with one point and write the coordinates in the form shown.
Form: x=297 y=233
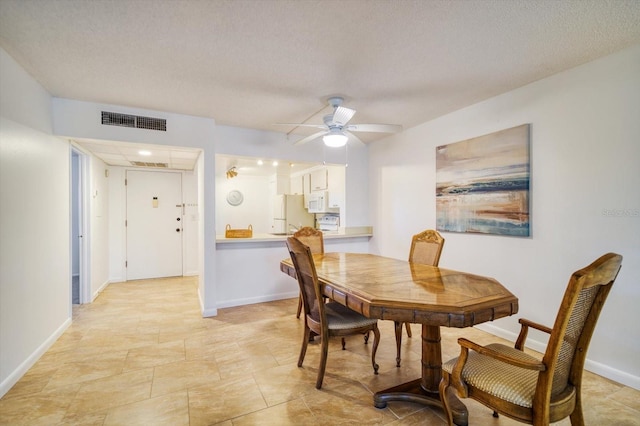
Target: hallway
x=141 y=354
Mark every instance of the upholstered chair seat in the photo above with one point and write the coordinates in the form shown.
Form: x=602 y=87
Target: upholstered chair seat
x=507 y=382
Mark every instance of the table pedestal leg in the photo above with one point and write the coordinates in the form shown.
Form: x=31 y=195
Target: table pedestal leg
x=425 y=389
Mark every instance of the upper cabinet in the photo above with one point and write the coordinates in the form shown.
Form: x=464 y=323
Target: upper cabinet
x=319 y=179
x=279 y=184
x=297 y=186
x=327 y=178
x=306 y=183
x=336 y=186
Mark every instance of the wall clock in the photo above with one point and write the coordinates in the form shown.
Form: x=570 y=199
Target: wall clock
x=235 y=197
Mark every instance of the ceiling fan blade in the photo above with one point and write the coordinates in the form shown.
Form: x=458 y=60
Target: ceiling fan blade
x=354 y=138
x=317 y=126
x=342 y=115
x=375 y=128
x=310 y=138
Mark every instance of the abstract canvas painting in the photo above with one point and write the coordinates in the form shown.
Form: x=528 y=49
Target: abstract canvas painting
x=482 y=184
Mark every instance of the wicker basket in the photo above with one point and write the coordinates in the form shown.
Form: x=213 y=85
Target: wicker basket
x=238 y=233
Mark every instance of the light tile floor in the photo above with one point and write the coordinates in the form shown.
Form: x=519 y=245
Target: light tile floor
x=141 y=354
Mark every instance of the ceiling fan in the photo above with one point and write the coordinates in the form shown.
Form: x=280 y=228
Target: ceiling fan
x=336 y=130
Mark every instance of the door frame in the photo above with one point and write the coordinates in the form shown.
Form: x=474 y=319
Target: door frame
x=84 y=225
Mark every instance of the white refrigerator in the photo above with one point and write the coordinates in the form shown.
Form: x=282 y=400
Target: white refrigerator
x=289 y=214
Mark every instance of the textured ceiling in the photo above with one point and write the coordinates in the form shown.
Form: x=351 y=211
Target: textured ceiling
x=255 y=63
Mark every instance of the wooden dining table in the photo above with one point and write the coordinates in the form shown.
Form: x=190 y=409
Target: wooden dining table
x=397 y=290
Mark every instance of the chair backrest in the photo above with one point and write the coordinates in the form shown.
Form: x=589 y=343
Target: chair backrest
x=307 y=279
x=312 y=238
x=426 y=247
x=581 y=305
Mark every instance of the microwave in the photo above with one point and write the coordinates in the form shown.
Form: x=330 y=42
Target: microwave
x=318 y=202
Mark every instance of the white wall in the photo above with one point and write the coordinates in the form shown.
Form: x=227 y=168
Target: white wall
x=585 y=127
x=255 y=209
x=35 y=262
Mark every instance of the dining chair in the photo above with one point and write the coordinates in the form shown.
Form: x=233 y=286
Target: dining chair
x=426 y=248
x=325 y=319
x=525 y=387
x=312 y=238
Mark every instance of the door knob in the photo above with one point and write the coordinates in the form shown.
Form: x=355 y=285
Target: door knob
x=177 y=229
x=178 y=219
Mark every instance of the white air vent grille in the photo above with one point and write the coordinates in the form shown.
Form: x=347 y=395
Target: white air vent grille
x=135 y=121
x=145 y=164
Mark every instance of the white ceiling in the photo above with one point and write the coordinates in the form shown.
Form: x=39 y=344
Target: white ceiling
x=252 y=63
x=124 y=154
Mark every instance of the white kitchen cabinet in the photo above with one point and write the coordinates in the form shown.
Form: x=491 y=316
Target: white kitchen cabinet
x=336 y=186
x=297 y=185
x=279 y=184
x=319 y=179
x=306 y=183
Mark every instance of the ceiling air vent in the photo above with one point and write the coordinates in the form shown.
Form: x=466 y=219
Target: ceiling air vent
x=135 y=121
x=145 y=164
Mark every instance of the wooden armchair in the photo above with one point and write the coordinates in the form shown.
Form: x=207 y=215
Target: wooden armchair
x=523 y=387
x=426 y=248
x=313 y=239
x=325 y=319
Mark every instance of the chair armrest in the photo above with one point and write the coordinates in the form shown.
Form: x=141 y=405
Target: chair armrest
x=465 y=344
x=529 y=365
x=524 y=330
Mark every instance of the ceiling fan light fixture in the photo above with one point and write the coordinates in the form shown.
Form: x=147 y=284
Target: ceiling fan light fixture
x=335 y=139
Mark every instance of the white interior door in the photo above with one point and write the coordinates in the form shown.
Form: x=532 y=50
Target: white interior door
x=154 y=224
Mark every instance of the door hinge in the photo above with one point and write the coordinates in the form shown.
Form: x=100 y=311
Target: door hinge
x=126 y=264
x=125 y=182
x=125 y=223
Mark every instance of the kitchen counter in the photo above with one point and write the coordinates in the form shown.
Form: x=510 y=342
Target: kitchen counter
x=352 y=232
x=247 y=269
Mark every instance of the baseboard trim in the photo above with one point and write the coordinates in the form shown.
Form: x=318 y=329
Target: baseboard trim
x=100 y=290
x=211 y=312
x=17 y=374
x=259 y=299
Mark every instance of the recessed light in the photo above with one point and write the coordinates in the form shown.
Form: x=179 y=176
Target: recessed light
x=275 y=164
x=260 y=163
x=143 y=152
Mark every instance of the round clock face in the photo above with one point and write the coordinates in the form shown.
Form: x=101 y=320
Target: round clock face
x=234 y=197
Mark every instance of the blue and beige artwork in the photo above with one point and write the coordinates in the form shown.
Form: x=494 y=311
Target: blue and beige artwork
x=482 y=184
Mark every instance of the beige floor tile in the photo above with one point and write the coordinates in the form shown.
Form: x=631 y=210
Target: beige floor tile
x=291 y=413
x=345 y=402
x=88 y=370
x=155 y=355
x=113 y=391
x=285 y=383
x=611 y=412
x=42 y=408
x=32 y=382
x=629 y=397
x=233 y=360
x=182 y=375
x=224 y=400
x=83 y=419
x=170 y=410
